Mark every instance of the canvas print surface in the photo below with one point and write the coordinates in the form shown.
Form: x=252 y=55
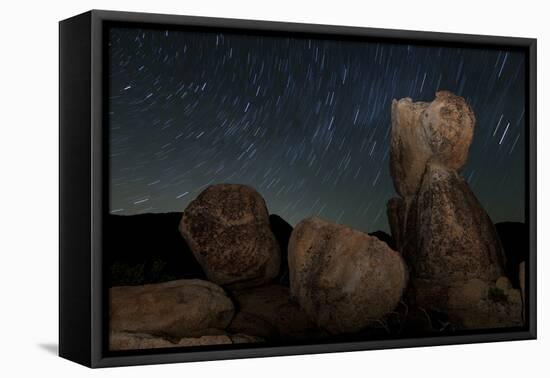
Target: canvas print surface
x=274 y=190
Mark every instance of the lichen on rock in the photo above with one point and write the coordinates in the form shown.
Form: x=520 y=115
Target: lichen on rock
x=227 y=228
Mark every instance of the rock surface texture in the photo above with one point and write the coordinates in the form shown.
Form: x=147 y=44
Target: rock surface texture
x=396 y=219
x=227 y=228
x=476 y=304
x=342 y=278
x=452 y=239
x=452 y=248
x=175 y=309
x=269 y=313
x=440 y=131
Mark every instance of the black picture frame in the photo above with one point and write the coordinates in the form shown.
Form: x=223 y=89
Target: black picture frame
x=83 y=165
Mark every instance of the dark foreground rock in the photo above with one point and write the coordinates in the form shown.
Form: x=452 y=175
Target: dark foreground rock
x=227 y=228
x=133 y=341
x=385 y=237
x=269 y=313
x=342 y=278
x=174 y=309
x=147 y=248
x=282 y=231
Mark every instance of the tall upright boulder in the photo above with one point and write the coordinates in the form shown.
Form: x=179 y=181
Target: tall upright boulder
x=445 y=235
x=227 y=228
x=450 y=238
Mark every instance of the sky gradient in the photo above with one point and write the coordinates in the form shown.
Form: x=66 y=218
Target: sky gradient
x=306 y=122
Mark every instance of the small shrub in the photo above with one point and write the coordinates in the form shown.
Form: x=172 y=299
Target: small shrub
x=497 y=295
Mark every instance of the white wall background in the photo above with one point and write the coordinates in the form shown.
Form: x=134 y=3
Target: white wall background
x=29 y=189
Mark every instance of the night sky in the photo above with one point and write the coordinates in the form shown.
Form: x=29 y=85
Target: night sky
x=304 y=121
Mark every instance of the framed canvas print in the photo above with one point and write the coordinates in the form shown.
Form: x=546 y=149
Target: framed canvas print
x=234 y=188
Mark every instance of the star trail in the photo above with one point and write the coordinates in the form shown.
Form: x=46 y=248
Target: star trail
x=305 y=121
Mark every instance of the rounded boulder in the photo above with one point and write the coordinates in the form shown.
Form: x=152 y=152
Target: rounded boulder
x=343 y=278
x=227 y=228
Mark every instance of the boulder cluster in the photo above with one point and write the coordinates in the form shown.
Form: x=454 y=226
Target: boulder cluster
x=318 y=280
x=260 y=280
x=451 y=246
